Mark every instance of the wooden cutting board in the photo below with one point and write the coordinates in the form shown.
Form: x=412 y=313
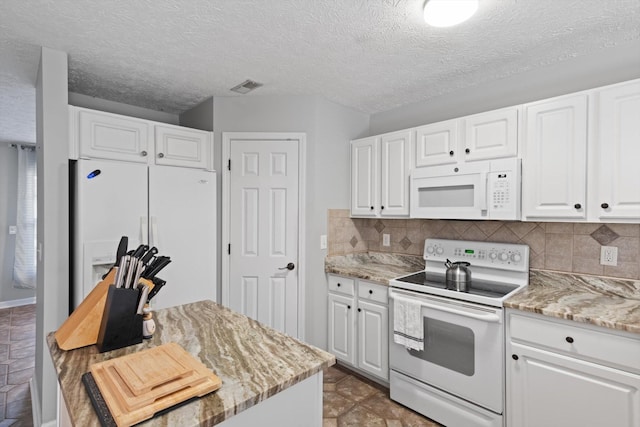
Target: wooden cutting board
x=138 y=385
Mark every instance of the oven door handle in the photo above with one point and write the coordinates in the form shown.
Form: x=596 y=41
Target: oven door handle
x=488 y=317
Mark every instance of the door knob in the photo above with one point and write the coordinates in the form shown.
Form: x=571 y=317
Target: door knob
x=289 y=266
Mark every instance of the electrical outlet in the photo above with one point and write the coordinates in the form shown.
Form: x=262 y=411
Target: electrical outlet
x=323 y=241
x=13 y=229
x=386 y=240
x=609 y=255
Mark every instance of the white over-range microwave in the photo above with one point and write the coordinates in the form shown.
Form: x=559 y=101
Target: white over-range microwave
x=488 y=189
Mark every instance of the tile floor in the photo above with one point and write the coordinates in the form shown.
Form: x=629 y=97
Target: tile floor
x=349 y=399
x=352 y=400
x=17 y=363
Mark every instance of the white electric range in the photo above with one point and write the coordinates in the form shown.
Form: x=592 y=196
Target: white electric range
x=458 y=379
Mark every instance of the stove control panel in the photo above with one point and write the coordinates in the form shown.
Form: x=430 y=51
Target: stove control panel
x=504 y=256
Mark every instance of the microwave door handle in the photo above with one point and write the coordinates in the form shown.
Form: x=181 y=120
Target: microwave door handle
x=483 y=191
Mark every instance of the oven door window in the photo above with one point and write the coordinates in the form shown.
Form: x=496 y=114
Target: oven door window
x=448 y=345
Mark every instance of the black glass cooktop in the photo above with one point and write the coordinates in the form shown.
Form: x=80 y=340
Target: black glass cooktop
x=478 y=287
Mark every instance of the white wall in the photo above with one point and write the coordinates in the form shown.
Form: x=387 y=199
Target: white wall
x=602 y=67
x=328 y=128
x=329 y=185
x=52 y=292
x=79 y=100
x=8 y=209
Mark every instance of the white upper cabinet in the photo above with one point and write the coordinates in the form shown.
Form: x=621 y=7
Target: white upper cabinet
x=437 y=144
x=364 y=176
x=100 y=135
x=110 y=136
x=554 y=159
x=395 y=150
x=490 y=135
x=483 y=136
x=380 y=175
x=176 y=146
x=615 y=155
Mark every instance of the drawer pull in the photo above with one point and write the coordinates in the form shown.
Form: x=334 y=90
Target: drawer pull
x=569 y=340
x=338 y=284
x=514 y=356
x=370 y=292
x=359 y=310
x=349 y=307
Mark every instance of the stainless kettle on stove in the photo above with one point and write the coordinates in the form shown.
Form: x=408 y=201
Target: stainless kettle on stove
x=458 y=276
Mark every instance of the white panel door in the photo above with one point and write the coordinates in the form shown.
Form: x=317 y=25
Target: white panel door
x=616 y=154
x=182 y=223
x=364 y=177
x=491 y=135
x=373 y=346
x=547 y=389
x=342 y=328
x=437 y=144
x=394 y=173
x=555 y=160
x=111 y=136
x=264 y=232
x=182 y=147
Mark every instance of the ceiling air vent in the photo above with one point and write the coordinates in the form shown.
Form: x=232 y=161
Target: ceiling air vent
x=246 y=86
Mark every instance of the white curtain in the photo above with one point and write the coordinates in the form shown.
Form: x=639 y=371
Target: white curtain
x=24 y=265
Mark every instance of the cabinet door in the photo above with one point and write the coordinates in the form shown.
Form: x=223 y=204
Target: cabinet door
x=394 y=173
x=555 y=159
x=342 y=328
x=548 y=389
x=437 y=144
x=364 y=177
x=491 y=135
x=111 y=136
x=182 y=147
x=373 y=345
x=615 y=185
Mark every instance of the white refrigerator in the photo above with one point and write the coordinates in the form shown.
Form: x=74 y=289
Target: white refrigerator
x=172 y=208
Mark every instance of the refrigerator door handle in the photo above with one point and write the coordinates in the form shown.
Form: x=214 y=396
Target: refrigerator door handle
x=154 y=231
x=144 y=230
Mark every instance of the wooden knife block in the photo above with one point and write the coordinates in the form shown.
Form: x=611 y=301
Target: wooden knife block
x=83 y=325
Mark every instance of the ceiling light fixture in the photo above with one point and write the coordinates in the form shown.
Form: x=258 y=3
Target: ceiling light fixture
x=446 y=13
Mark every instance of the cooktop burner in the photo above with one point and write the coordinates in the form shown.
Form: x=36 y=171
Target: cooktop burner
x=478 y=287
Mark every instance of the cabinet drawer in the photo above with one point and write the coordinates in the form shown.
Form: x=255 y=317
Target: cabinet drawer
x=606 y=348
x=373 y=292
x=342 y=285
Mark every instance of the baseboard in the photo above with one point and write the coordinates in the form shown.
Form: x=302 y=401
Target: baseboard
x=17 y=302
x=35 y=402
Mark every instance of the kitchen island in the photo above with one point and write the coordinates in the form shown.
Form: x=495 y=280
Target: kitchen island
x=267 y=377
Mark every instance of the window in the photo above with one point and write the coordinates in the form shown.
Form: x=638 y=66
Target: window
x=24 y=264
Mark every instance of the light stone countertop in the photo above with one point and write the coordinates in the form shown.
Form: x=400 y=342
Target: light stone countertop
x=603 y=301
x=376 y=267
x=253 y=361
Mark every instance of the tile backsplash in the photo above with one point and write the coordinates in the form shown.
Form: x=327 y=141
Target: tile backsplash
x=560 y=246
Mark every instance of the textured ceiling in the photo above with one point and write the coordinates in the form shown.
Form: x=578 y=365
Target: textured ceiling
x=371 y=55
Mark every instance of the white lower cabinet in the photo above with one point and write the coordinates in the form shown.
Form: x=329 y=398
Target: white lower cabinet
x=561 y=374
x=358 y=325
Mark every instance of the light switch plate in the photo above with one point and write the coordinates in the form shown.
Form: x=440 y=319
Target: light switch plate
x=386 y=240
x=323 y=241
x=609 y=255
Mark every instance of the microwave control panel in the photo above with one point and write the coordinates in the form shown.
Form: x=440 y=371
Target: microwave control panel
x=501 y=191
